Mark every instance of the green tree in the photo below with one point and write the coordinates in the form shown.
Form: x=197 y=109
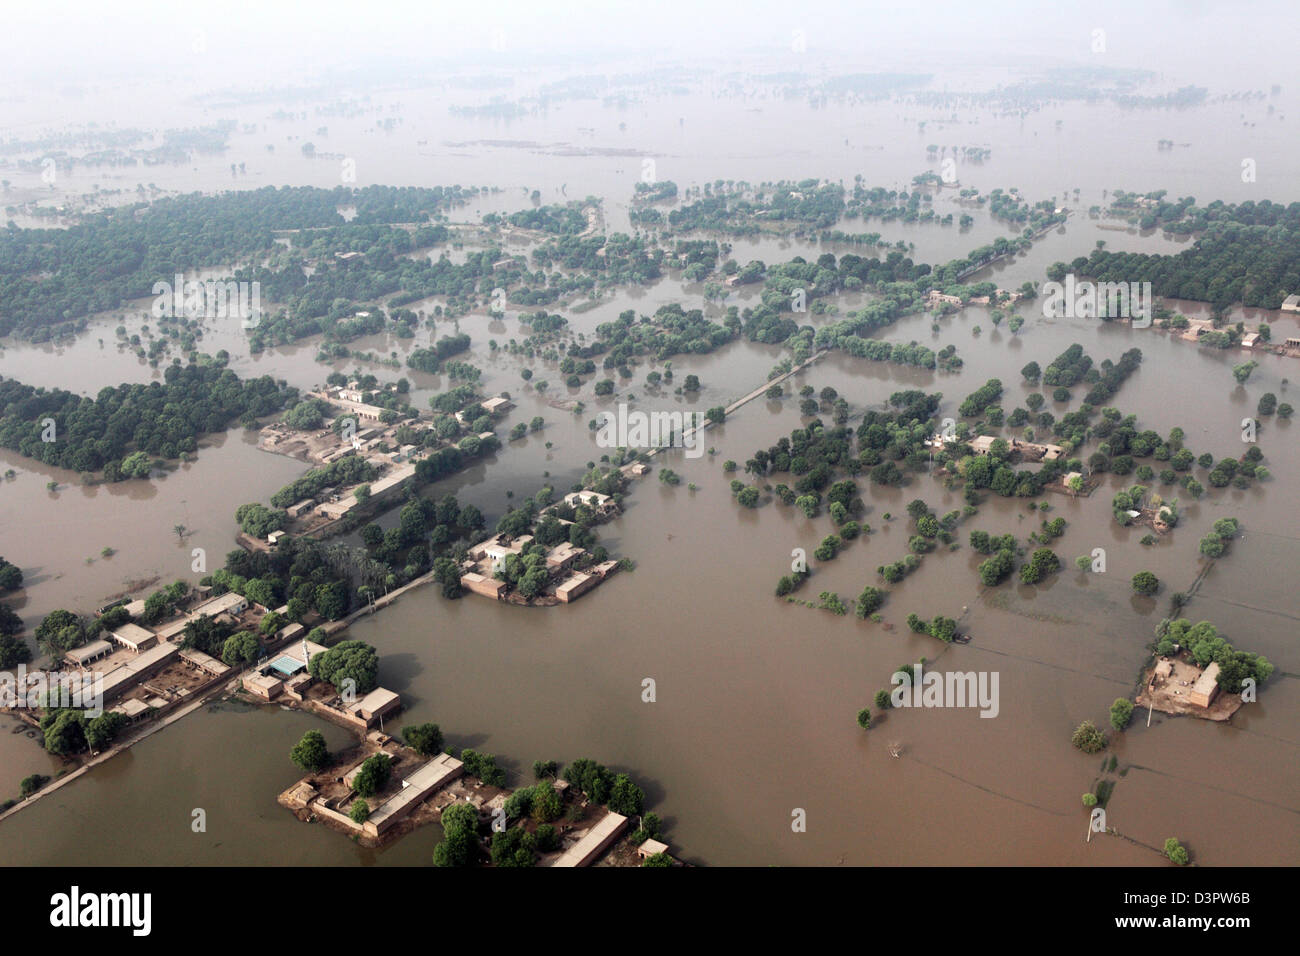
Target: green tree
x=459 y=845
x=547 y=804
x=425 y=739
x=64 y=731
x=625 y=796
x=354 y=660
x=1144 y=582
x=310 y=753
x=241 y=648
x=864 y=718
x=359 y=812
x=1088 y=738
x=1121 y=712
x=1176 y=852
x=101 y=730
x=373 y=775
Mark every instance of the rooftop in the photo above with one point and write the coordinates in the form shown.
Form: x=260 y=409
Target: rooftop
x=1207 y=682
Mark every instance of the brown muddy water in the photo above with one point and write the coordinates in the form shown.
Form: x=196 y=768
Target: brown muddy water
x=755 y=698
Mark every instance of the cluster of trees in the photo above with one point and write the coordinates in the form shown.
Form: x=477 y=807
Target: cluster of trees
x=1203 y=642
x=459 y=846
x=1248 y=253
x=122 y=429
x=566 y=220
x=670 y=332
x=424 y=739
x=943 y=628
x=351 y=660
x=601 y=785
x=1068 y=368
x=1130 y=499
x=118 y=254
x=11 y=576
x=483 y=766
x=62 y=630
x=1215 y=543
x=893 y=573
x=13 y=649
x=348 y=470
x=1237 y=473
x=1113 y=376
x=67 y=731
x=1042 y=563
x=430 y=360
x=258 y=520
x=980 y=399
x=616 y=259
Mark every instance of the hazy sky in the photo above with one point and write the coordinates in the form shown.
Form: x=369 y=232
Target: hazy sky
x=1218 y=43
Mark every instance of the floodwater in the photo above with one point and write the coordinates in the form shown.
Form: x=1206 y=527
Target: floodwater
x=755 y=699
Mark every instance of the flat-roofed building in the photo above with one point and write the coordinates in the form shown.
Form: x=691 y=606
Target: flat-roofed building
x=592 y=499
x=416 y=788
x=263 y=686
x=131 y=709
x=575 y=586
x=135 y=608
x=650 y=848
x=1249 y=340
x=173 y=629
x=481 y=584
x=131 y=672
x=300 y=654
x=494 y=406
x=204 y=662
x=290 y=631
x=1291 y=303
x=81 y=656
x=230 y=603
x=561 y=557
x=935 y=297
x=300 y=508
x=134 y=637
x=596 y=840
x=604 y=569
x=1206 y=686
x=497 y=554
x=479 y=551
x=376 y=705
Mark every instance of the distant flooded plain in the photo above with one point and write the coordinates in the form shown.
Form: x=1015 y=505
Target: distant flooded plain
x=756 y=698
